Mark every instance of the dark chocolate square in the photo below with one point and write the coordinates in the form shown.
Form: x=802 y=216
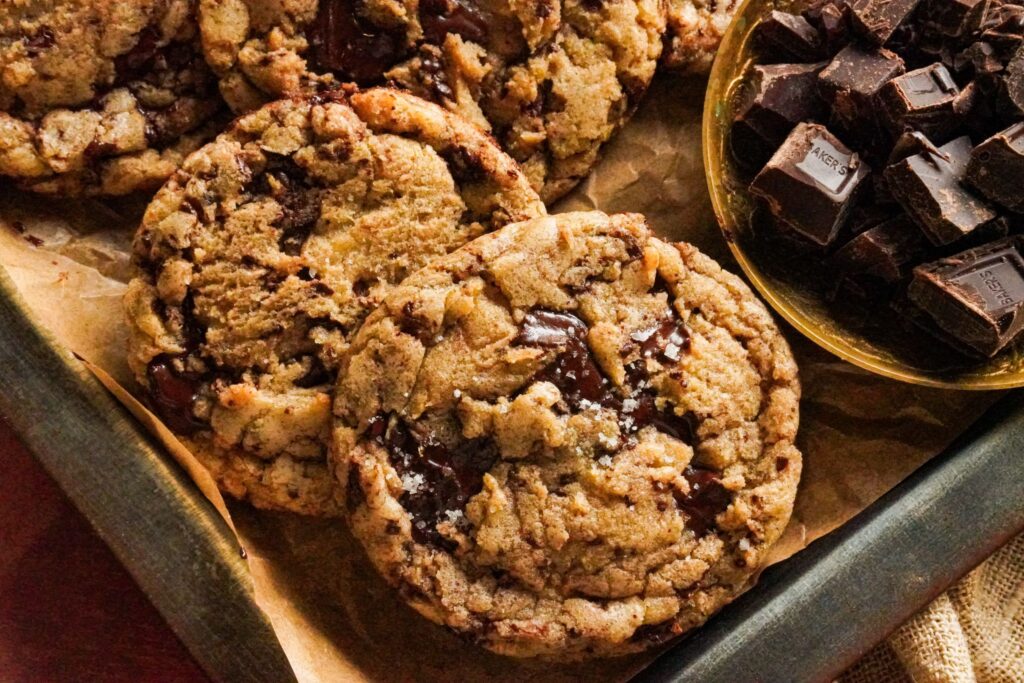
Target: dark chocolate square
x=811 y=182
x=883 y=252
x=776 y=98
x=928 y=186
x=954 y=18
x=996 y=168
x=920 y=100
x=876 y=20
x=851 y=82
x=788 y=37
x=976 y=296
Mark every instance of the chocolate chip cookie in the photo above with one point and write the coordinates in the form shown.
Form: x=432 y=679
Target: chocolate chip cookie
x=551 y=80
x=261 y=256
x=695 y=29
x=99 y=97
x=568 y=437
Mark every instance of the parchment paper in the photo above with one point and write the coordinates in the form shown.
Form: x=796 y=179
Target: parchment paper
x=335 y=618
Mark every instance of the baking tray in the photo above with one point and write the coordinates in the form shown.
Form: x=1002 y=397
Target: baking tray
x=808 y=618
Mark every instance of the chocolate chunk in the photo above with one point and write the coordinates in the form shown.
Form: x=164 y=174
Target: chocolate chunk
x=954 y=18
x=811 y=182
x=859 y=72
x=928 y=186
x=173 y=395
x=439 y=479
x=581 y=382
x=883 y=252
x=978 y=58
x=782 y=36
x=573 y=370
x=706 y=500
x=1011 y=99
x=832 y=19
x=667 y=339
x=656 y=634
x=996 y=168
x=875 y=20
x=1003 y=26
x=42 y=39
x=911 y=143
x=441 y=17
x=777 y=97
x=851 y=82
x=133 y=63
x=976 y=296
x=920 y=100
x=344 y=42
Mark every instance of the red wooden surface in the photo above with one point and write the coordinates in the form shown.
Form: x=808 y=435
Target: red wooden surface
x=68 y=610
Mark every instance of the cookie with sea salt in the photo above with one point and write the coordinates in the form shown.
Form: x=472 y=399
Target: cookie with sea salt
x=262 y=255
x=551 y=80
x=568 y=438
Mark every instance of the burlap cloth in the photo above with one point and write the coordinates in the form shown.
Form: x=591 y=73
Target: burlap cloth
x=972 y=632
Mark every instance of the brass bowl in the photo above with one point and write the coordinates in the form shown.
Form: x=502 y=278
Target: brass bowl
x=874 y=339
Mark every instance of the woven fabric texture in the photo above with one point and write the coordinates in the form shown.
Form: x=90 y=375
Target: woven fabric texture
x=973 y=633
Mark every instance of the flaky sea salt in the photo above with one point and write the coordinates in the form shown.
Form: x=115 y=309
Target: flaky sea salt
x=412 y=482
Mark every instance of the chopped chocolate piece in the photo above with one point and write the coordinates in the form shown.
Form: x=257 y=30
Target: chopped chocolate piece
x=346 y=43
x=860 y=72
x=832 y=19
x=911 y=143
x=1011 y=100
x=778 y=97
x=929 y=188
x=1003 y=27
x=783 y=36
x=875 y=20
x=996 y=168
x=920 y=100
x=975 y=108
x=883 y=252
x=977 y=296
x=851 y=82
x=811 y=181
x=979 y=58
x=954 y=18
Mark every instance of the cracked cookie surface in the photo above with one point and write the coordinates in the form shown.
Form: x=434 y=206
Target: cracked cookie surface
x=99 y=97
x=550 y=80
x=260 y=257
x=568 y=438
x=695 y=30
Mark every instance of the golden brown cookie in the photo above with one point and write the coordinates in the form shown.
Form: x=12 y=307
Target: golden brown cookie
x=99 y=97
x=551 y=80
x=695 y=30
x=568 y=438
x=261 y=256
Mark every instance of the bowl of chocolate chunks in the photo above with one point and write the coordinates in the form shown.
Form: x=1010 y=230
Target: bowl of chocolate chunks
x=866 y=163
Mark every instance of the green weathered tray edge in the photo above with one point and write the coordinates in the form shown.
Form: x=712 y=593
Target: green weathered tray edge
x=140 y=502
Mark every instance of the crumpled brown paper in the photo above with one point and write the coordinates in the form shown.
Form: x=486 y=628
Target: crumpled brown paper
x=335 y=618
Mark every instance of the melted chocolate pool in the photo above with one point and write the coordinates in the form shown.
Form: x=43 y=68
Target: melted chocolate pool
x=440 y=479
x=173 y=396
